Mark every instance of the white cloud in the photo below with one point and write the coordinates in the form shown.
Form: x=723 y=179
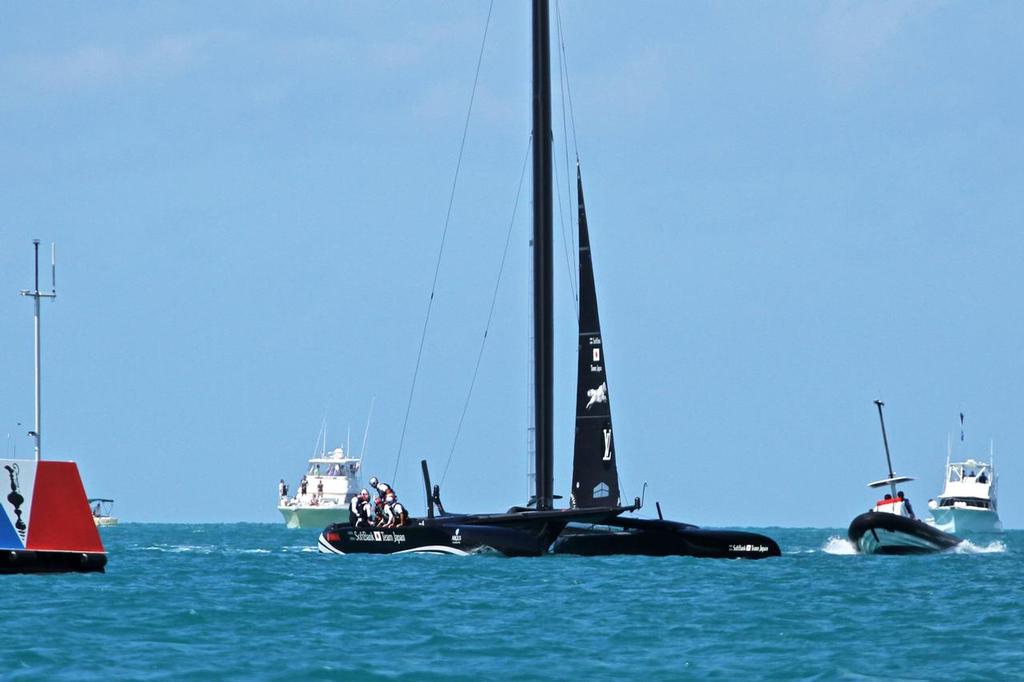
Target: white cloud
x=854 y=36
x=91 y=66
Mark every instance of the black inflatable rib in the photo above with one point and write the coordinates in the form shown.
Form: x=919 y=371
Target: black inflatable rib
x=883 y=533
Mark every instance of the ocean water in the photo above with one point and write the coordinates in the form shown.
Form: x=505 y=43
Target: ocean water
x=253 y=601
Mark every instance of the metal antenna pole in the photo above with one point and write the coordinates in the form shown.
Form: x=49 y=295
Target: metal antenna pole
x=885 y=440
x=37 y=295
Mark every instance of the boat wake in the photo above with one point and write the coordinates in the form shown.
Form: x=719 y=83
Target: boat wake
x=838 y=546
x=968 y=547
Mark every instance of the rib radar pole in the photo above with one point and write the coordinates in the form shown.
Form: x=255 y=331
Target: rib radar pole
x=37 y=295
x=885 y=441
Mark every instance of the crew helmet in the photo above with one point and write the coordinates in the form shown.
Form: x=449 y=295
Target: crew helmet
x=373 y=481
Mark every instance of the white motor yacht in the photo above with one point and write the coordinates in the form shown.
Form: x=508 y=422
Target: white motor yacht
x=323 y=494
x=968 y=500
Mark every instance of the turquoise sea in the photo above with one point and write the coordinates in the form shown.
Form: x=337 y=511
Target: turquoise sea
x=255 y=601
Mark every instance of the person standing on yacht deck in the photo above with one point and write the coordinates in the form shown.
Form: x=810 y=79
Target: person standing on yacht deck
x=282 y=489
x=320 y=489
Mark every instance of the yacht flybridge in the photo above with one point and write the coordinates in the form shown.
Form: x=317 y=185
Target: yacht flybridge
x=968 y=499
x=891 y=527
x=323 y=493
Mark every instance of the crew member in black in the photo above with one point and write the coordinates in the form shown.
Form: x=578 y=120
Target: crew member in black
x=906 y=503
x=302 y=486
x=398 y=512
x=359 y=509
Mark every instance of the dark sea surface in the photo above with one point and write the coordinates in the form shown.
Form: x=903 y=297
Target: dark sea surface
x=253 y=601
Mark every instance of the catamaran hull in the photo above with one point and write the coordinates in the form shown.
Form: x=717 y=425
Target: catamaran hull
x=965 y=520
x=649 y=537
x=883 y=533
x=313 y=517
x=454 y=539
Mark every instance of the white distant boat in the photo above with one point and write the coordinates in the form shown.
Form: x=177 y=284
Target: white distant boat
x=101 y=511
x=323 y=494
x=968 y=500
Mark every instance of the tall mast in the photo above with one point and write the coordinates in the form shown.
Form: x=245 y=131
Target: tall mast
x=543 y=318
x=885 y=440
x=37 y=295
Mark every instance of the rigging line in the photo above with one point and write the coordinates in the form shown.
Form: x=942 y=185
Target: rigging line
x=490 y=313
x=564 y=61
x=565 y=243
x=569 y=260
x=563 y=77
x=444 y=235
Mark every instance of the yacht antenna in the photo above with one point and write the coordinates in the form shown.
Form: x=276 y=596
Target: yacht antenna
x=348 y=440
x=885 y=440
x=36 y=295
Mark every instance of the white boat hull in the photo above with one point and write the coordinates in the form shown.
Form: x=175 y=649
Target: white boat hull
x=318 y=517
x=105 y=520
x=960 y=520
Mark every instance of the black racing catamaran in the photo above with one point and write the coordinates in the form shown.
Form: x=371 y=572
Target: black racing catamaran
x=521 y=531
x=595 y=478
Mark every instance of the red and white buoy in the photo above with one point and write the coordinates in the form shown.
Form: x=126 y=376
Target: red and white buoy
x=45 y=524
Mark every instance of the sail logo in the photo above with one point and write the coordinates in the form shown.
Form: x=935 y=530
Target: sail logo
x=377 y=536
x=597 y=355
x=607 y=446
x=597 y=395
x=17 y=482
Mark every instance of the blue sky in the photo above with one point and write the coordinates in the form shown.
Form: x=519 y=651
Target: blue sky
x=795 y=208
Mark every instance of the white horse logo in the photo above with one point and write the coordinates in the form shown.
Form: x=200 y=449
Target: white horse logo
x=598 y=395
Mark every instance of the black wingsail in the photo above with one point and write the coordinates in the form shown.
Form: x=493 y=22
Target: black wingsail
x=595 y=479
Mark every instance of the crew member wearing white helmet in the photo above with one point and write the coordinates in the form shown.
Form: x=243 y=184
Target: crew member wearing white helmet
x=382 y=493
x=359 y=509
